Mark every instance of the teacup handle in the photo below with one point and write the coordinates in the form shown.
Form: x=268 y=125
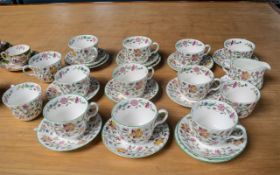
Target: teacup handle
x=238 y=127
x=27 y=67
x=4 y=55
x=94 y=106
x=156 y=49
x=96 y=51
x=163 y=119
x=151 y=72
x=207 y=49
x=217 y=87
x=226 y=71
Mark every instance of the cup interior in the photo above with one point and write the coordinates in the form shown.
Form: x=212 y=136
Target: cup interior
x=72 y=74
x=239 y=45
x=21 y=94
x=65 y=108
x=130 y=72
x=240 y=92
x=189 y=46
x=134 y=112
x=45 y=59
x=214 y=115
x=17 y=49
x=195 y=75
x=136 y=42
x=83 y=41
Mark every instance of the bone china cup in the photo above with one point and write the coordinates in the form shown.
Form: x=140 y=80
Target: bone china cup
x=73 y=80
x=237 y=48
x=18 y=54
x=44 y=65
x=138 y=49
x=213 y=122
x=68 y=115
x=196 y=81
x=25 y=100
x=136 y=118
x=191 y=51
x=132 y=78
x=241 y=95
x=84 y=48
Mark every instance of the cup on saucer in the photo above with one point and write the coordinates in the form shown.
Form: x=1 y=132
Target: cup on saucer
x=17 y=55
x=235 y=48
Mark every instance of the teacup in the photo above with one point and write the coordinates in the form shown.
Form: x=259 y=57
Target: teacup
x=191 y=51
x=44 y=65
x=73 y=79
x=213 y=122
x=135 y=119
x=68 y=115
x=84 y=48
x=238 y=48
x=18 y=54
x=25 y=100
x=138 y=49
x=132 y=78
x=241 y=95
x=196 y=81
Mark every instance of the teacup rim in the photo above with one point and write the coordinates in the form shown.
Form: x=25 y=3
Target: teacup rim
x=14 y=86
x=130 y=99
x=244 y=82
x=141 y=47
x=243 y=39
x=76 y=48
x=61 y=96
x=34 y=57
x=185 y=39
x=25 y=45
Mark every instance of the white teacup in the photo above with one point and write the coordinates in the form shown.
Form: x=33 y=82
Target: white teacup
x=18 y=54
x=241 y=95
x=68 y=115
x=196 y=81
x=44 y=65
x=74 y=79
x=135 y=119
x=138 y=49
x=84 y=48
x=25 y=100
x=191 y=51
x=132 y=78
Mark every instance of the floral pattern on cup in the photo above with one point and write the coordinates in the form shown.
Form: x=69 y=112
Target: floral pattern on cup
x=18 y=54
x=141 y=129
x=24 y=100
x=196 y=81
x=131 y=79
x=138 y=49
x=44 y=65
x=241 y=95
x=68 y=115
x=235 y=48
x=191 y=51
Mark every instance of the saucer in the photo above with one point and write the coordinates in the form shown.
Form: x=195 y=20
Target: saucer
x=219 y=58
x=153 y=60
x=117 y=145
x=105 y=59
x=151 y=90
x=54 y=91
x=50 y=140
x=174 y=93
x=174 y=64
x=9 y=66
x=201 y=151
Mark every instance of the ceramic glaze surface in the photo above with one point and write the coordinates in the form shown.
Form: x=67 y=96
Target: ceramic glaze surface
x=237 y=48
x=18 y=54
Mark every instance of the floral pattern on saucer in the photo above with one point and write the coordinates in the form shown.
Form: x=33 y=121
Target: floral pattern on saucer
x=54 y=91
x=151 y=90
x=153 y=60
x=174 y=93
x=174 y=64
x=198 y=150
x=50 y=140
x=70 y=58
x=220 y=58
x=117 y=145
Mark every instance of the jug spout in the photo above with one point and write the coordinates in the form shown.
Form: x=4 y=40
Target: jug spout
x=265 y=65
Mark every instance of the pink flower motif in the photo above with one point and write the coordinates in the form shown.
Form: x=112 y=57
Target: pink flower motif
x=133 y=67
x=137 y=39
x=134 y=102
x=217 y=152
x=147 y=105
x=77 y=100
x=25 y=106
x=63 y=100
x=196 y=69
x=138 y=85
x=194 y=58
x=231 y=115
x=122 y=69
x=234 y=84
x=221 y=107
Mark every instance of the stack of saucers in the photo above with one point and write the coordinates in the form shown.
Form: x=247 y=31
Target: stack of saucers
x=139 y=49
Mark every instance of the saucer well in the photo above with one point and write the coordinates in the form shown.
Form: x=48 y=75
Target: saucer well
x=220 y=58
x=153 y=60
x=174 y=93
x=201 y=151
x=151 y=90
x=117 y=145
x=54 y=91
x=48 y=138
x=176 y=65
